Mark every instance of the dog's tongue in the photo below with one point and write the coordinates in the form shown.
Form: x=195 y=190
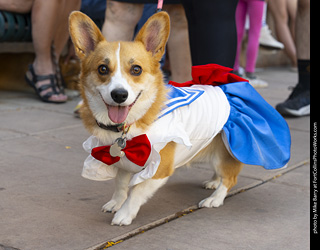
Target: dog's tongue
x=118 y=114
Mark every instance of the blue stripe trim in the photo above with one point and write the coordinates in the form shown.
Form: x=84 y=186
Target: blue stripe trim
x=179 y=97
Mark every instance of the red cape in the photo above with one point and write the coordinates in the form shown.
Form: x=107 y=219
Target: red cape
x=210 y=74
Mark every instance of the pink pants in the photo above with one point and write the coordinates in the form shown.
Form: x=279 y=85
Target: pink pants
x=254 y=8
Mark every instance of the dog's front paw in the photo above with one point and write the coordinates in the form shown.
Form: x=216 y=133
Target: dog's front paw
x=123 y=218
x=111 y=207
x=114 y=204
x=211 y=202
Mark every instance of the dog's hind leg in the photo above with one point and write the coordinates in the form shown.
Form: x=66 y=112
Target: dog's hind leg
x=120 y=194
x=213 y=183
x=226 y=171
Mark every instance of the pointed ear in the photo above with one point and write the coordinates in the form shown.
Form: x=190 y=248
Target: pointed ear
x=154 y=34
x=84 y=33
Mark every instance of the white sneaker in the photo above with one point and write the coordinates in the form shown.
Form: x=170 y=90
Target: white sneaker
x=255 y=81
x=267 y=40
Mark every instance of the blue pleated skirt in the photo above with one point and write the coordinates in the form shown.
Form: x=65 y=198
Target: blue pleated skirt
x=256 y=133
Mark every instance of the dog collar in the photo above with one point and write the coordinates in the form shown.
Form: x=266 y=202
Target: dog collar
x=114 y=128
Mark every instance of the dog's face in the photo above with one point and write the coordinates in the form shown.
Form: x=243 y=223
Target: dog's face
x=120 y=81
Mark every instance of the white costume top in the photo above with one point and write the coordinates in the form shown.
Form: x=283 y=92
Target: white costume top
x=192 y=119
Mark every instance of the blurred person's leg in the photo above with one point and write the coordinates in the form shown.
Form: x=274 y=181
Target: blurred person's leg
x=303 y=29
x=120 y=20
x=178 y=44
x=298 y=103
x=266 y=39
x=241 y=13
x=19 y=6
x=292 y=6
x=255 y=11
x=303 y=44
x=44 y=18
x=62 y=33
x=280 y=14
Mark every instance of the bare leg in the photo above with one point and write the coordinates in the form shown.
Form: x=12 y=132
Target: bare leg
x=298 y=103
x=292 y=12
x=120 y=21
x=44 y=16
x=280 y=14
x=303 y=30
x=178 y=44
x=62 y=32
x=19 y=6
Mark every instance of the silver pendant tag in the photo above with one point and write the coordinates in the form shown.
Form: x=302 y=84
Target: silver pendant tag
x=115 y=149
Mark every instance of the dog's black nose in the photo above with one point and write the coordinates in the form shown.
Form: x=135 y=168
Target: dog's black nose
x=119 y=95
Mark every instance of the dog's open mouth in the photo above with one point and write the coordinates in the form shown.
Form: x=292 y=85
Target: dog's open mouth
x=118 y=114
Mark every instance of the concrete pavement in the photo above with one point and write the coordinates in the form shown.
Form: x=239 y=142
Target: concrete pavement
x=46 y=204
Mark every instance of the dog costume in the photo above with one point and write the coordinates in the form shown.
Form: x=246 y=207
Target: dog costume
x=215 y=101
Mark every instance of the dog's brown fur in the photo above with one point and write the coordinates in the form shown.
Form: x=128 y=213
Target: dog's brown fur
x=146 y=50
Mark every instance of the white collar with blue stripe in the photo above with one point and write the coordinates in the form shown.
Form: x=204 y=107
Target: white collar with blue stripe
x=179 y=97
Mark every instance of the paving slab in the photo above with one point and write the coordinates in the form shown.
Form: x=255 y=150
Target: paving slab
x=274 y=215
x=46 y=204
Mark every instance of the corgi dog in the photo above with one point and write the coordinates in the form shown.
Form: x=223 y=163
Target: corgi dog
x=125 y=105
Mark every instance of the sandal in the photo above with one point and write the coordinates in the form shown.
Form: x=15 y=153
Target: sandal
x=59 y=78
x=36 y=78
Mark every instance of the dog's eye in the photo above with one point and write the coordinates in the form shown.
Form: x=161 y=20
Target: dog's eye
x=103 y=69
x=136 y=70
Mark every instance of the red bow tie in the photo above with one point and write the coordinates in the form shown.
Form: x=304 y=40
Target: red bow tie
x=137 y=151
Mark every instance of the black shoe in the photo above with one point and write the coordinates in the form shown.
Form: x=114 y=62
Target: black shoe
x=298 y=104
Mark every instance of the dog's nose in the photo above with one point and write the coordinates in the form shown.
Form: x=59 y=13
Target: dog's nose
x=119 y=95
